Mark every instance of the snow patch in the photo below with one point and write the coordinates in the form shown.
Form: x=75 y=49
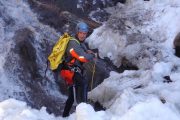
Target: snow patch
x=143 y=32
x=86 y=112
x=12 y=109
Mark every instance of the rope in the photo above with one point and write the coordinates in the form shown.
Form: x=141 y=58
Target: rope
x=93 y=72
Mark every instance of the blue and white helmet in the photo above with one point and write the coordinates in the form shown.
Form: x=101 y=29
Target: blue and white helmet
x=82 y=27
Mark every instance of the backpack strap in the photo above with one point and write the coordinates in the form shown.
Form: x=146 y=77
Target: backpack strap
x=72 y=38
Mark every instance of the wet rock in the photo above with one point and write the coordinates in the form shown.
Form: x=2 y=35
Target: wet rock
x=126 y=65
x=96 y=73
x=167 y=79
x=163 y=100
x=24 y=48
x=48 y=14
x=177 y=45
x=177 y=49
x=100 y=16
x=121 y=1
x=61 y=15
x=22 y=62
x=98 y=107
x=140 y=86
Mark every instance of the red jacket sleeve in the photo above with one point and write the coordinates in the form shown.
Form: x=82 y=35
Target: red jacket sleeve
x=75 y=55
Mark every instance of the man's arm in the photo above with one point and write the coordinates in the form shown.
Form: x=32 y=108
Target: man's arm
x=73 y=46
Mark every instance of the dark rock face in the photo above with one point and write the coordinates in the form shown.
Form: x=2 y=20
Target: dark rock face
x=27 y=70
x=49 y=13
x=61 y=15
x=177 y=48
x=126 y=65
x=177 y=45
x=52 y=12
x=96 y=73
x=24 y=48
x=121 y=1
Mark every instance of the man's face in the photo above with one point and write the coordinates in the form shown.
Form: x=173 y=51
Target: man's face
x=81 y=36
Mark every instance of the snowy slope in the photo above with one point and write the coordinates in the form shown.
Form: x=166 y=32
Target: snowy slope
x=140 y=31
x=143 y=33
x=15 y=110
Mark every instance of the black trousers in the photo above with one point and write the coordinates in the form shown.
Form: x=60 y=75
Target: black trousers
x=81 y=87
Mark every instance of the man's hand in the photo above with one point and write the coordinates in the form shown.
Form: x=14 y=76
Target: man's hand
x=96 y=55
x=90 y=52
x=95 y=58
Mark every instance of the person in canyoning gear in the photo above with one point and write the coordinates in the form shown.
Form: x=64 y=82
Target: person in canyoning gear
x=75 y=55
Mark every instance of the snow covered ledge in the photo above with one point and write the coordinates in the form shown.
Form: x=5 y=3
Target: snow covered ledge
x=12 y=109
x=143 y=32
x=150 y=109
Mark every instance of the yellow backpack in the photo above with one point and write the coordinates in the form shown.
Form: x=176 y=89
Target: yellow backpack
x=57 y=55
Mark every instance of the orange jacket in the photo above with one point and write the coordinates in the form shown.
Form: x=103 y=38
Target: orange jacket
x=78 y=54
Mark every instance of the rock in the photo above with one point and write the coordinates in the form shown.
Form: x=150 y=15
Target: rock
x=96 y=73
x=177 y=45
x=167 y=79
x=25 y=49
x=121 y=1
x=22 y=62
x=55 y=15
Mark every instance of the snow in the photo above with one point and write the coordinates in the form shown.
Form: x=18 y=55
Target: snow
x=141 y=28
x=143 y=33
x=17 y=110
x=86 y=112
x=151 y=109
